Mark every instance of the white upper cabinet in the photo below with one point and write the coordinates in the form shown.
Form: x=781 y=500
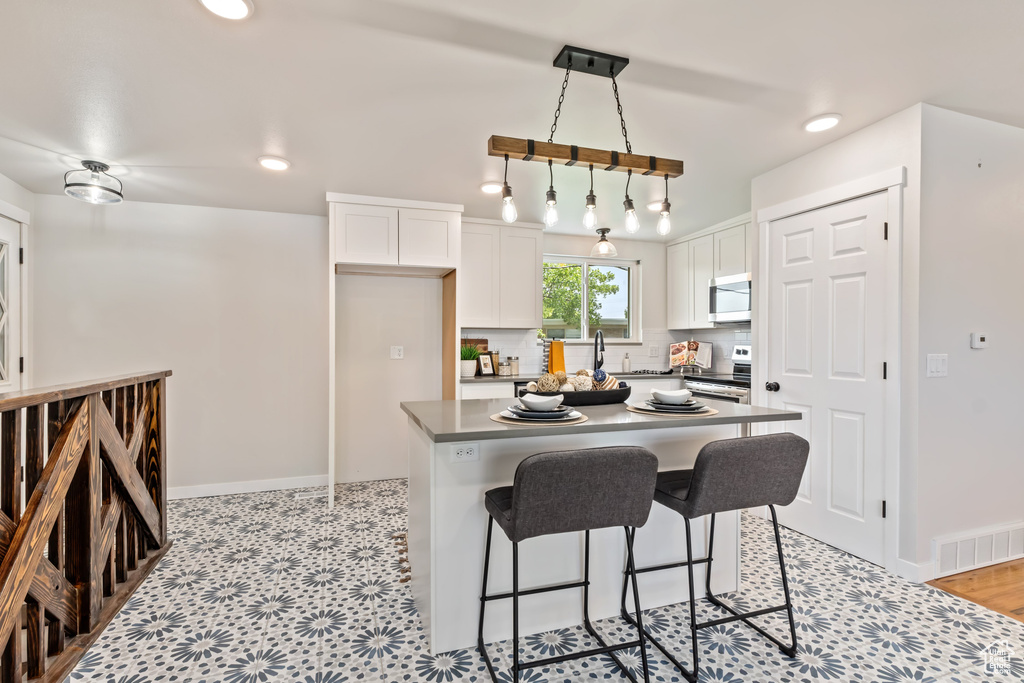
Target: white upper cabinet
x=500 y=276
x=521 y=273
x=478 y=276
x=365 y=234
x=691 y=266
x=368 y=234
x=678 y=295
x=428 y=238
x=702 y=262
x=731 y=251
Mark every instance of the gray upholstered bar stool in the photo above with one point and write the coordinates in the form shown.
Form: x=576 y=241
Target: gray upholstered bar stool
x=733 y=474
x=571 y=491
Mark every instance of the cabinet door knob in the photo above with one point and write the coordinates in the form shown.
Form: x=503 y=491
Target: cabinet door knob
x=771 y=386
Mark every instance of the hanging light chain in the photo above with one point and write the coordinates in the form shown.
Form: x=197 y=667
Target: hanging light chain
x=622 y=120
x=561 y=98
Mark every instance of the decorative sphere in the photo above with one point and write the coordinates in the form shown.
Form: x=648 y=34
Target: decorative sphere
x=600 y=375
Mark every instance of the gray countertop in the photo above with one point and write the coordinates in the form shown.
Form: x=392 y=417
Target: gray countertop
x=451 y=421
x=533 y=378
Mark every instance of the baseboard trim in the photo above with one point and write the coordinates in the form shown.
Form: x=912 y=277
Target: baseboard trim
x=228 y=488
x=916 y=573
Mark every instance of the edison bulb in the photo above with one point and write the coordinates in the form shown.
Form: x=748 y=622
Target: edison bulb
x=508 y=210
x=632 y=222
x=550 y=215
x=590 y=217
x=664 y=224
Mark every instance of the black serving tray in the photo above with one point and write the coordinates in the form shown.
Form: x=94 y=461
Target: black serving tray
x=586 y=398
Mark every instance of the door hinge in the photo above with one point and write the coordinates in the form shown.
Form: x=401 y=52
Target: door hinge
x=883 y=509
x=885 y=371
x=21 y=364
x=21 y=254
x=886 y=230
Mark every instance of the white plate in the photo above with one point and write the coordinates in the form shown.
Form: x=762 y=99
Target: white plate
x=568 y=418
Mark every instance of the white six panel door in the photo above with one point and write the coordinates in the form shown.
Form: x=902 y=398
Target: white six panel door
x=10 y=306
x=826 y=351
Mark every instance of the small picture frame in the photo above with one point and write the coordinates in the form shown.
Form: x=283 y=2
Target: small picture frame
x=486 y=368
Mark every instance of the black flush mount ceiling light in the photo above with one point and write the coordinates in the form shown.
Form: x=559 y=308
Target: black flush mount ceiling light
x=93 y=184
x=597 y=64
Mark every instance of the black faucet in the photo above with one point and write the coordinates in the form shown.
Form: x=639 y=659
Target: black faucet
x=598 y=346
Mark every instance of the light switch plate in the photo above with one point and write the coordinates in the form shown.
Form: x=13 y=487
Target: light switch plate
x=938 y=365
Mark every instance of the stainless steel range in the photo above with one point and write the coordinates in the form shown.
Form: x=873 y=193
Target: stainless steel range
x=733 y=387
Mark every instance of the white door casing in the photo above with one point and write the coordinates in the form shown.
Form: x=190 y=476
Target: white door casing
x=826 y=328
x=10 y=305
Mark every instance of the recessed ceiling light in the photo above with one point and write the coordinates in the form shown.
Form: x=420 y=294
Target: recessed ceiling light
x=491 y=187
x=823 y=122
x=274 y=163
x=229 y=9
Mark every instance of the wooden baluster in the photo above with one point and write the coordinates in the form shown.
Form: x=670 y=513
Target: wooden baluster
x=35 y=456
x=84 y=501
x=157 y=465
x=10 y=503
x=56 y=414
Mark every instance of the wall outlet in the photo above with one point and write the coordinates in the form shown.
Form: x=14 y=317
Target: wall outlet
x=654 y=351
x=465 y=452
x=938 y=365
x=397 y=352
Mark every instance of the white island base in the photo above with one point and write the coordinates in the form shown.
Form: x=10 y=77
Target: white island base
x=447 y=530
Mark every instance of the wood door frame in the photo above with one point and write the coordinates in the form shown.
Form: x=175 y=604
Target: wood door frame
x=23 y=219
x=892 y=182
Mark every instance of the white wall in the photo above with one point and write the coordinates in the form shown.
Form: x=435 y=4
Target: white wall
x=892 y=142
x=373 y=314
x=972 y=241
x=233 y=302
x=13 y=193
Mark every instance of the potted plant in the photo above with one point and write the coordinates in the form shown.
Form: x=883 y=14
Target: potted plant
x=468 y=356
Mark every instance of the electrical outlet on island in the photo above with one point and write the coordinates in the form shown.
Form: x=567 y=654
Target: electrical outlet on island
x=465 y=452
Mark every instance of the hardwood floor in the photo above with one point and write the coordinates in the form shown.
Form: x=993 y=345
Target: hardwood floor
x=999 y=587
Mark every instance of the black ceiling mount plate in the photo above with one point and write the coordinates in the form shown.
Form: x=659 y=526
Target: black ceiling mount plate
x=590 y=62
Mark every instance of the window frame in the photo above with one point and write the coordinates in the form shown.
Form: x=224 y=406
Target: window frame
x=635 y=298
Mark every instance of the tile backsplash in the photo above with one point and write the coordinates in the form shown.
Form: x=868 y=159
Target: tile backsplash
x=523 y=343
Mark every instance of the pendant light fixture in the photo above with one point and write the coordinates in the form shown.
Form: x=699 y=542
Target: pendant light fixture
x=604 y=248
x=632 y=222
x=597 y=64
x=665 y=223
x=508 y=205
x=590 y=215
x=93 y=184
x=551 y=213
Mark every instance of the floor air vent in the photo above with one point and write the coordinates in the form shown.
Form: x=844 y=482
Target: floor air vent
x=963 y=552
x=302 y=495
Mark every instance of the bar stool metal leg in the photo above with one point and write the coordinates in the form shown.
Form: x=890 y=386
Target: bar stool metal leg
x=483 y=599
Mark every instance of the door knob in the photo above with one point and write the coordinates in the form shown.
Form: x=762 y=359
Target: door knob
x=771 y=386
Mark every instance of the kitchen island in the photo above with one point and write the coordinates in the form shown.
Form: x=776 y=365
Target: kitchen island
x=456 y=453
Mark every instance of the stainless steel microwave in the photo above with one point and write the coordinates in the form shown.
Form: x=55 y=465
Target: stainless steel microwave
x=730 y=299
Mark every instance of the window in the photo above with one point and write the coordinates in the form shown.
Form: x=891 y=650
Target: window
x=607 y=290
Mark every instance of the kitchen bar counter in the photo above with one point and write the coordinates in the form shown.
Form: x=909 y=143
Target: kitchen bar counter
x=450 y=421
x=456 y=453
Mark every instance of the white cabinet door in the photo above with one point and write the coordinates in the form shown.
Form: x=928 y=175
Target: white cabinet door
x=478 y=279
x=702 y=262
x=731 y=251
x=365 y=234
x=428 y=238
x=678 y=279
x=488 y=390
x=521 y=276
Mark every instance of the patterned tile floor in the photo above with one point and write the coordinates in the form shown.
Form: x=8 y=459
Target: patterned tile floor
x=264 y=588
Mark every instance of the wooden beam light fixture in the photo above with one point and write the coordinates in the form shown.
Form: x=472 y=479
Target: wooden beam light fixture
x=526 y=149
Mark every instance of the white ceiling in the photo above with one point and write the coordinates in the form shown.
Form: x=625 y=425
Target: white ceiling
x=398 y=97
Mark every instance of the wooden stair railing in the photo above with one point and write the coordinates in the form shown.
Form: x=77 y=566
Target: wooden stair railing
x=83 y=515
